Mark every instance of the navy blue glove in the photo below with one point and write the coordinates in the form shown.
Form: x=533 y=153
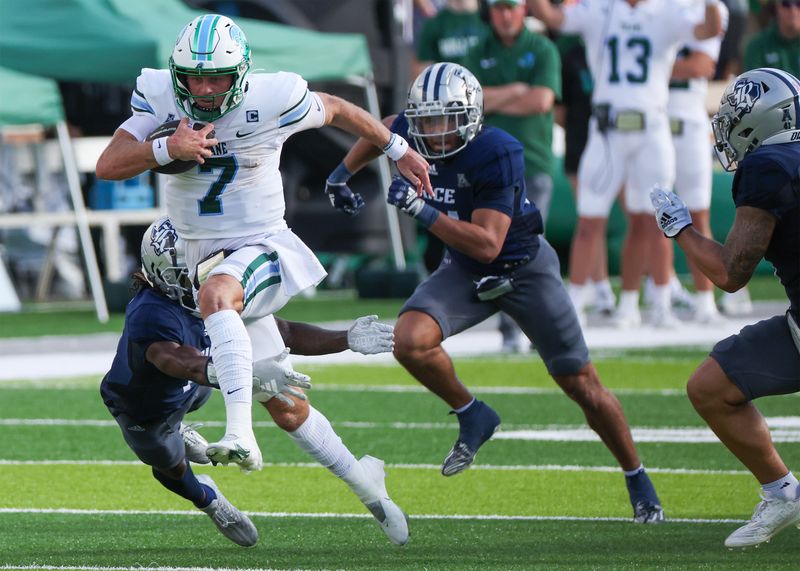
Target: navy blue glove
x=344 y=199
x=403 y=195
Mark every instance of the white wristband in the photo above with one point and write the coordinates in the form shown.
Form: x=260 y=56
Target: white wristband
x=396 y=148
x=712 y=2
x=160 y=151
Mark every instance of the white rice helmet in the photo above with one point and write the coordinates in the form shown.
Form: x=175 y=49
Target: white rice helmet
x=444 y=90
x=757 y=105
x=164 y=263
x=210 y=45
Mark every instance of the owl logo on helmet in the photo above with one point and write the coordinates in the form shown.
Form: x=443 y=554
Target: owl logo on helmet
x=744 y=96
x=755 y=109
x=163 y=237
x=163 y=263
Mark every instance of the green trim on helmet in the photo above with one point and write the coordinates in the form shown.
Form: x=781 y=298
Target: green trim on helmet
x=233 y=97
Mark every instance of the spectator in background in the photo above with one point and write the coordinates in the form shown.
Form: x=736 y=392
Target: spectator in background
x=691 y=139
x=631 y=46
x=778 y=45
x=573 y=113
x=448 y=35
x=520 y=72
x=730 y=53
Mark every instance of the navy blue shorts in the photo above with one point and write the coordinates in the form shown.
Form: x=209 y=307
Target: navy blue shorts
x=761 y=359
x=539 y=304
x=158 y=442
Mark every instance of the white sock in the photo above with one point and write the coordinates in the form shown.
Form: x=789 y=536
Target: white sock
x=704 y=301
x=629 y=301
x=233 y=361
x=787 y=488
x=675 y=284
x=635 y=471
x=317 y=438
x=661 y=296
x=577 y=295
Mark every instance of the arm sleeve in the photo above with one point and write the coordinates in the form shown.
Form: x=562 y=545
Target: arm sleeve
x=578 y=17
x=144 y=119
x=303 y=110
x=501 y=177
x=148 y=324
x=764 y=185
x=547 y=72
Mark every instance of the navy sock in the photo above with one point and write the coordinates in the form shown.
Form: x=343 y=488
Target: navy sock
x=187 y=487
x=477 y=424
x=641 y=488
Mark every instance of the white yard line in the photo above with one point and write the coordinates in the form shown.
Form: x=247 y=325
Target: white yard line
x=485 y=517
x=402 y=466
x=783 y=429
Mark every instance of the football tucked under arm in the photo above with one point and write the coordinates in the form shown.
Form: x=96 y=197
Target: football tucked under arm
x=160 y=135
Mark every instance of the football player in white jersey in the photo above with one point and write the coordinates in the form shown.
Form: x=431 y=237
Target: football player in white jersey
x=691 y=139
x=630 y=46
x=229 y=210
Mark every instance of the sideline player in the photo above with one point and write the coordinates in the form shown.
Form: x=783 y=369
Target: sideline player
x=497 y=260
x=691 y=140
x=229 y=210
x=631 y=46
x=757 y=129
x=162 y=361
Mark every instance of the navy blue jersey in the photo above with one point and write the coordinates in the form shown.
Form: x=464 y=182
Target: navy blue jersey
x=769 y=179
x=134 y=385
x=488 y=173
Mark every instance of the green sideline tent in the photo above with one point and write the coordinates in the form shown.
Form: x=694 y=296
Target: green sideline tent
x=111 y=40
x=29 y=99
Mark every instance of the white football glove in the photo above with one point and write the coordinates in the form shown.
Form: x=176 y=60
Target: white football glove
x=672 y=216
x=274 y=376
x=368 y=336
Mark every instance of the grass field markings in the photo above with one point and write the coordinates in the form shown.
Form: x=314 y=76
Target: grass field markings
x=408 y=466
x=137 y=568
x=681 y=435
x=321 y=386
x=783 y=429
x=323 y=515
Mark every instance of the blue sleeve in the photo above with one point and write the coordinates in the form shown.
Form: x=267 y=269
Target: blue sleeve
x=400 y=126
x=766 y=185
x=150 y=323
x=500 y=178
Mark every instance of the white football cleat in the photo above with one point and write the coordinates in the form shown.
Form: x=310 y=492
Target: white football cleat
x=237 y=450
x=232 y=523
x=194 y=443
x=372 y=493
x=770 y=517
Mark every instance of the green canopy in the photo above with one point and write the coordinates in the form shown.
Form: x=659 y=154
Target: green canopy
x=75 y=40
x=314 y=55
x=111 y=40
x=29 y=99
